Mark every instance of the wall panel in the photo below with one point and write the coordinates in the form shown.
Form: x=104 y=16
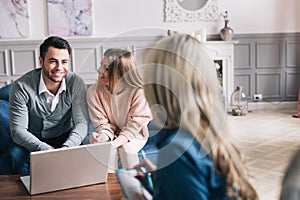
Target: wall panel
x=245 y=81
x=4 y=63
x=292 y=84
x=263 y=63
x=269 y=54
x=23 y=60
x=269 y=84
x=85 y=63
x=276 y=68
x=243 y=58
x=293 y=54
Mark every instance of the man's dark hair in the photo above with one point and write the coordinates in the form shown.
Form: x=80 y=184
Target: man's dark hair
x=56 y=42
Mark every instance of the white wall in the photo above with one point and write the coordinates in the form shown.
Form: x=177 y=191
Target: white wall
x=146 y=17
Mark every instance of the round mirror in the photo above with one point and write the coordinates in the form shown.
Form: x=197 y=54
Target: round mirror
x=191 y=10
x=192 y=5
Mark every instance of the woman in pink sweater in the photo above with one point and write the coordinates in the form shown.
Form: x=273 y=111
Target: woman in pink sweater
x=118 y=108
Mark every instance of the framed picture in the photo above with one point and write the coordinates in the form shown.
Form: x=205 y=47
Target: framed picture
x=14 y=19
x=70 y=17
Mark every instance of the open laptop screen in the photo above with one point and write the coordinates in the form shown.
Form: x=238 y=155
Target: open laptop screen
x=71 y=167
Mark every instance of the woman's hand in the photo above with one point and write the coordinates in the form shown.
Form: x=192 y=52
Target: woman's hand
x=119 y=141
x=146 y=164
x=98 y=137
x=145 y=171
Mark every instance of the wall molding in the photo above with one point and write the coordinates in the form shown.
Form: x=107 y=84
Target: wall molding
x=275 y=65
x=87 y=54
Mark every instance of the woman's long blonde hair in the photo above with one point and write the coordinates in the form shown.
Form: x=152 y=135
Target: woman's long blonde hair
x=181 y=78
x=122 y=65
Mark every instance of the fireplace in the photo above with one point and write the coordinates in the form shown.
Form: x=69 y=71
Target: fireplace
x=219 y=69
x=222 y=52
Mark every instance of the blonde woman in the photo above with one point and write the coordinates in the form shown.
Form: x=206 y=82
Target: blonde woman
x=194 y=150
x=117 y=106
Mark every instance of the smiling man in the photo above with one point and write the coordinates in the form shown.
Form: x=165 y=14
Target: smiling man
x=47 y=106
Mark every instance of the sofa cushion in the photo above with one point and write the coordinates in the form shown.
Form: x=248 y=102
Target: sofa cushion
x=5 y=138
x=4 y=92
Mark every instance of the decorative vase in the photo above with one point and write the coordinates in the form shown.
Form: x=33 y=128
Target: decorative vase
x=226 y=33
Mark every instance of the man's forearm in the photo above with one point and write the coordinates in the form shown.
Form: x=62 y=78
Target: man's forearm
x=28 y=140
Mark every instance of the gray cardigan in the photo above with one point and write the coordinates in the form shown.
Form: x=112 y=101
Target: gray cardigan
x=31 y=118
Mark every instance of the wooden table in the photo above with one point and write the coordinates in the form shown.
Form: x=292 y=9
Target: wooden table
x=12 y=188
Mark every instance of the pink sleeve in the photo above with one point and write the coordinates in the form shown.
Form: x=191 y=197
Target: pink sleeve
x=97 y=113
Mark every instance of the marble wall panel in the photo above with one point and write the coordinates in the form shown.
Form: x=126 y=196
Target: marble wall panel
x=14 y=19
x=70 y=17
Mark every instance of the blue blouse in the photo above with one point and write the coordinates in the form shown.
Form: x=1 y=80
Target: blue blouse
x=184 y=170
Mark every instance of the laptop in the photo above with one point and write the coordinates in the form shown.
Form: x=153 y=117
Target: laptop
x=65 y=168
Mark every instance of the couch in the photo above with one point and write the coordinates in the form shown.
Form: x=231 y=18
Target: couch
x=150 y=148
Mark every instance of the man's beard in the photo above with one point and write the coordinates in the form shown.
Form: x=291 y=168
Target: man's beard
x=47 y=74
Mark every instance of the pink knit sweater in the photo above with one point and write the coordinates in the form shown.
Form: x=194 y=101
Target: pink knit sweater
x=125 y=113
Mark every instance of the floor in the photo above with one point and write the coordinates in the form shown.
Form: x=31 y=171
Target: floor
x=268 y=139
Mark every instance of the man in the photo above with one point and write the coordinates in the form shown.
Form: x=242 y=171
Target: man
x=47 y=107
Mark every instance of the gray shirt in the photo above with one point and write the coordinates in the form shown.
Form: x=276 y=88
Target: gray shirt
x=31 y=118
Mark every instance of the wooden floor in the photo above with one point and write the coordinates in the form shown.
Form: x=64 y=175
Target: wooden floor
x=268 y=139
